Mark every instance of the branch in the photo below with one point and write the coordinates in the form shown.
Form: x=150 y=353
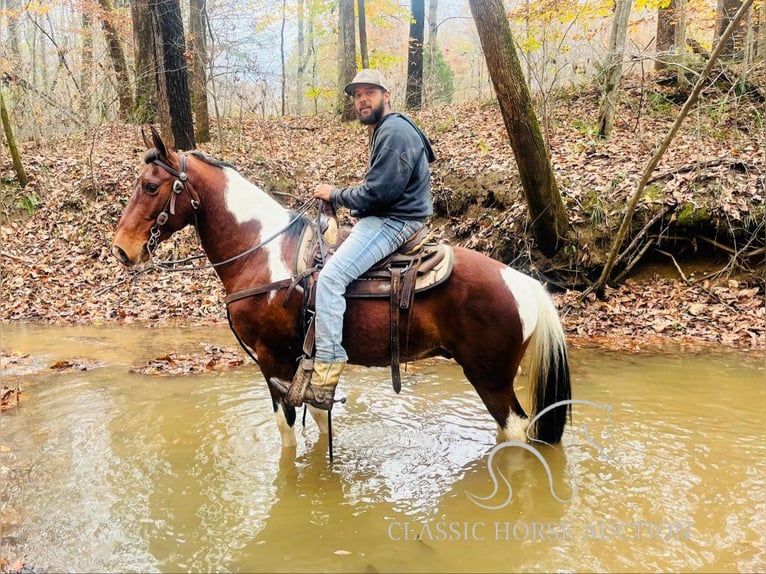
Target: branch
x=600 y=285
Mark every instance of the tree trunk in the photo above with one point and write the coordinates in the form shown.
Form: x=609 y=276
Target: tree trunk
x=117 y=54
x=734 y=48
x=346 y=57
x=680 y=43
x=172 y=77
x=414 y=98
x=283 y=69
x=301 y=58
x=613 y=68
x=198 y=50
x=666 y=35
x=145 y=107
x=86 y=69
x=21 y=174
x=433 y=24
x=761 y=55
x=363 y=35
x=546 y=209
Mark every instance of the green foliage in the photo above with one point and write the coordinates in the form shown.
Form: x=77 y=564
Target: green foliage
x=659 y=103
x=439 y=78
x=27 y=202
x=585 y=127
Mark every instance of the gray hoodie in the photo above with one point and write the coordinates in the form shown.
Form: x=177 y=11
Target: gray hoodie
x=397 y=180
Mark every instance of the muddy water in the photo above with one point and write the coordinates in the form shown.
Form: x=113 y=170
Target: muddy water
x=104 y=470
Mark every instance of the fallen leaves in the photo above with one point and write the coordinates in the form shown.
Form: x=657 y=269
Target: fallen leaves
x=212 y=358
x=58 y=267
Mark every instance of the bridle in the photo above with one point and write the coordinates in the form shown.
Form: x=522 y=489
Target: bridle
x=179 y=186
x=170 y=205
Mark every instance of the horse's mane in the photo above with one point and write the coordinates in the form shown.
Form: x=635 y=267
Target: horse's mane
x=153 y=154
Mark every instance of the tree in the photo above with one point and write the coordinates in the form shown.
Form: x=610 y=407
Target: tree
x=303 y=53
x=86 y=69
x=734 y=48
x=21 y=174
x=172 y=74
x=414 y=97
x=198 y=51
x=346 y=57
x=546 y=209
x=117 y=55
x=363 y=34
x=613 y=67
x=145 y=107
x=666 y=34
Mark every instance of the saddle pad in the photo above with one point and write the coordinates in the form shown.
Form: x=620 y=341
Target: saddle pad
x=427 y=276
x=437 y=260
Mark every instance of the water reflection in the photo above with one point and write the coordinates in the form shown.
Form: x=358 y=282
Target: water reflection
x=104 y=470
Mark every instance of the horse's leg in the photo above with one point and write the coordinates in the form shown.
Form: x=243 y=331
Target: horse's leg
x=320 y=418
x=493 y=382
x=284 y=414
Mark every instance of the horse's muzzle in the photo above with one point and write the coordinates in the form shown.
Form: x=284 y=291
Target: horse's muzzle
x=123 y=257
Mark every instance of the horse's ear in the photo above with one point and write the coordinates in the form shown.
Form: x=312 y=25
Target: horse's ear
x=147 y=143
x=158 y=143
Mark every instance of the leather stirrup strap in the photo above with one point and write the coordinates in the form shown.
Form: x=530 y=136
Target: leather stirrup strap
x=396 y=377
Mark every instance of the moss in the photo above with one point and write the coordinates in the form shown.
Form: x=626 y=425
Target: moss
x=653 y=192
x=690 y=215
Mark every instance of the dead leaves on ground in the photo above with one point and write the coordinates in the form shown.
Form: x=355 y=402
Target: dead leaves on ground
x=672 y=312
x=212 y=358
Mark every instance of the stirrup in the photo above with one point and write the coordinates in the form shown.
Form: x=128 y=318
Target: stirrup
x=320 y=398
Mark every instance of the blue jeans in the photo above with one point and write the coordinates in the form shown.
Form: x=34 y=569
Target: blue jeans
x=371 y=239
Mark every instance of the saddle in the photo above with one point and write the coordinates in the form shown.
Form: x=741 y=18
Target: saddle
x=420 y=264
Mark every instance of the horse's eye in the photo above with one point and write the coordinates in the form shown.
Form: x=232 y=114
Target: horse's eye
x=151 y=188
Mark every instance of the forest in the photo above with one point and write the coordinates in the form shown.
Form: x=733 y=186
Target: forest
x=614 y=150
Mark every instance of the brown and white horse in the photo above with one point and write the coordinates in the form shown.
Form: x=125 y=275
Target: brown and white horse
x=486 y=316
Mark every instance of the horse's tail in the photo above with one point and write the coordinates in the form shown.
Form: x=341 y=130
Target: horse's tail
x=548 y=372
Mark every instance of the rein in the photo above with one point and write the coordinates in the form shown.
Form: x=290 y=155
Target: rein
x=162 y=218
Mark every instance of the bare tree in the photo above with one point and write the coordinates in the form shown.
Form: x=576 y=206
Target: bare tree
x=117 y=54
x=666 y=35
x=346 y=57
x=414 y=97
x=546 y=209
x=86 y=65
x=198 y=51
x=363 y=34
x=613 y=67
x=145 y=109
x=734 y=47
x=21 y=174
x=172 y=76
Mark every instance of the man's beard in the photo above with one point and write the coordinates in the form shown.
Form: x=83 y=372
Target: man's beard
x=374 y=117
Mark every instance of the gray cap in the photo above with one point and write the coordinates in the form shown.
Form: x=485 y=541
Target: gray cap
x=368 y=77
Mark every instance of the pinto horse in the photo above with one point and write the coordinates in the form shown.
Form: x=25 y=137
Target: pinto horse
x=485 y=316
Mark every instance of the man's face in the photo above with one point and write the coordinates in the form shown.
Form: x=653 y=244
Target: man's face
x=370 y=103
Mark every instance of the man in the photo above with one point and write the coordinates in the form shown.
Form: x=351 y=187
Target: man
x=392 y=204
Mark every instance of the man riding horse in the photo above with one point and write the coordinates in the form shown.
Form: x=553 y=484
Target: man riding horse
x=392 y=204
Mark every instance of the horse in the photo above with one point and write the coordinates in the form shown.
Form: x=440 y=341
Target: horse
x=485 y=316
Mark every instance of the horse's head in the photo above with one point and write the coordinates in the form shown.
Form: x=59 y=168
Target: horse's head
x=161 y=204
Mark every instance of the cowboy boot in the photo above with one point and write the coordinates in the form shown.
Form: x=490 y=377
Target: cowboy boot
x=314 y=383
x=320 y=392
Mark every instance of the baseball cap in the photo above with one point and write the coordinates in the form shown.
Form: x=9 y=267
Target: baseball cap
x=367 y=76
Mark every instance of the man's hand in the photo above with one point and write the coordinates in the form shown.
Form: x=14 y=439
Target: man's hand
x=322 y=191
